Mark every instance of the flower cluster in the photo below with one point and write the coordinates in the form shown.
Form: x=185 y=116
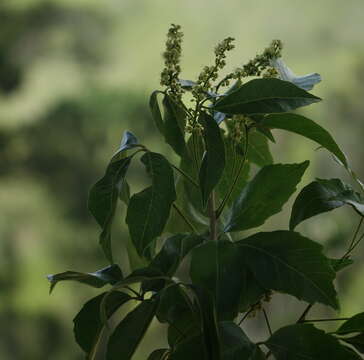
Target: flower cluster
x=211 y=73
x=172 y=57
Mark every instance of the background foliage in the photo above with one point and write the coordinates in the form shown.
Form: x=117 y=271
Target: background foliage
x=67 y=71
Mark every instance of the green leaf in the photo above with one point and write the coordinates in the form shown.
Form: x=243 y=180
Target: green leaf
x=190 y=348
x=261 y=96
x=158 y=354
x=213 y=161
x=216 y=266
x=235 y=344
x=322 y=196
x=174 y=124
x=303 y=126
x=258 y=149
x=354 y=324
x=287 y=262
x=87 y=323
x=130 y=331
x=357 y=341
x=305 y=342
x=234 y=160
x=340 y=264
x=108 y=275
x=156 y=112
x=251 y=293
x=148 y=210
x=265 y=195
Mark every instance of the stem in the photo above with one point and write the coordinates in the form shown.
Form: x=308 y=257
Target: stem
x=133 y=291
x=189 y=178
x=212 y=215
x=241 y=167
x=246 y=315
x=185 y=219
x=267 y=322
x=305 y=312
x=319 y=320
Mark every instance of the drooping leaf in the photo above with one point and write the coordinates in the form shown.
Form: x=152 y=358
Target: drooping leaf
x=109 y=275
x=340 y=264
x=303 y=126
x=158 y=354
x=234 y=161
x=156 y=112
x=216 y=266
x=261 y=96
x=149 y=209
x=258 y=149
x=103 y=199
x=322 y=196
x=234 y=343
x=357 y=341
x=130 y=331
x=286 y=261
x=305 y=342
x=354 y=324
x=174 y=124
x=213 y=161
x=87 y=323
x=265 y=195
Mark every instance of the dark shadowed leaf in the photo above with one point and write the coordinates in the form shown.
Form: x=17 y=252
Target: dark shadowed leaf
x=156 y=112
x=213 y=161
x=265 y=195
x=174 y=124
x=216 y=266
x=190 y=348
x=87 y=323
x=127 y=335
x=357 y=341
x=258 y=149
x=252 y=292
x=158 y=354
x=261 y=96
x=149 y=209
x=103 y=199
x=109 y=275
x=287 y=262
x=234 y=161
x=322 y=196
x=354 y=324
x=305 y=342
x=303 y=126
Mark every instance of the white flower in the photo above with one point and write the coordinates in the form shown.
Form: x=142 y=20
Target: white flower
x=305 y=82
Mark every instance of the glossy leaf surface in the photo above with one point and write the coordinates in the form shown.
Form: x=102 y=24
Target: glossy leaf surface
x=261 y=96
x=286 y=261
x=322 y=196
x=265 y=195
x=148 y=210
x=354 y=324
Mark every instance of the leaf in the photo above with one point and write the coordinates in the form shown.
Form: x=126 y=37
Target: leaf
x=354 y=324
x=156 y=112
x=258 y=149
x=303 y=126
x=305 y=342
x=340 y=264
x=130 y=331
x=213 y=161
x=87 y=323
x=252 y=292
x=191 y=348
x=174 y=124
x=108 y=275
x=234 y=162
x=170 y=256
x=148 y=210
x=235 y=344
x=265 y=195
x=357 y=341
x=128 y=141
x=159 y=354
x=288 y=262
x=216 y=266
x=261 y=96
x=322 y=196
x=104 y=196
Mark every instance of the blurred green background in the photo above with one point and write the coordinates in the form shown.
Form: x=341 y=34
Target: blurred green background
x=74 y=74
